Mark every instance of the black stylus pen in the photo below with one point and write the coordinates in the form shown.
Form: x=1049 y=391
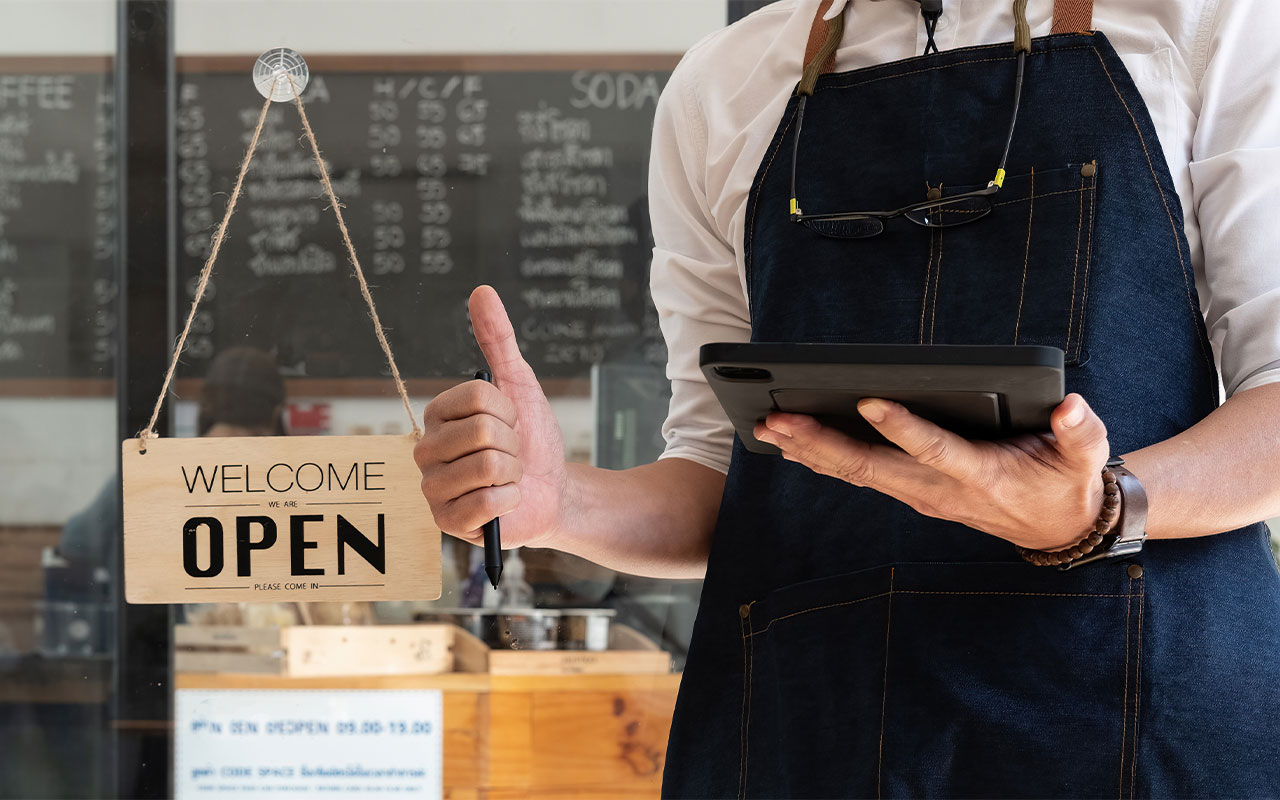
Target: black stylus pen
x=492 y=534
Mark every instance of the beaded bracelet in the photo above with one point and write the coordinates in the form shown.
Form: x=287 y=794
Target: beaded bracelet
x=1101 y=529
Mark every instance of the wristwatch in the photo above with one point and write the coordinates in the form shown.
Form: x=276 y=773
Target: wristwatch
x=1129 y=532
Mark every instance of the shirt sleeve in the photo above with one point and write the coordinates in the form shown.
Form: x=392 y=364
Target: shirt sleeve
x=694 y=279
x=1235 y=173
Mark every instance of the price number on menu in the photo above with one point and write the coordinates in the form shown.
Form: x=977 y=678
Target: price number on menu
x=431 y=127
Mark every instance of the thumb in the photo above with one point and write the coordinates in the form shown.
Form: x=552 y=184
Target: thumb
x=1081 y=434
x=497 y=339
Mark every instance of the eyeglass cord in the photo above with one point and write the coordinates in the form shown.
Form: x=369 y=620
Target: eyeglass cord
x=931 y=11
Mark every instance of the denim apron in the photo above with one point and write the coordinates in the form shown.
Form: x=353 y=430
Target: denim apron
x=847 y=646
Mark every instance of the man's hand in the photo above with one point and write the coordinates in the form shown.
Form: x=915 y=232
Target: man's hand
x=490 y=450
x=1040 y=491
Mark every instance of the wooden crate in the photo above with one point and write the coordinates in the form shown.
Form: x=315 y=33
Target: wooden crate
x=315 y=650
x=629 y=653
x=228 y=648
x=425 y=649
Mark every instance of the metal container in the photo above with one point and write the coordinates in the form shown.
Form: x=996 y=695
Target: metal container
x=586 y=628
x=528 y=628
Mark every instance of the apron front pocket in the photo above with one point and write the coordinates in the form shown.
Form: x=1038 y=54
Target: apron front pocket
x=920 y=679
x=814 y=658
x=1019 y=275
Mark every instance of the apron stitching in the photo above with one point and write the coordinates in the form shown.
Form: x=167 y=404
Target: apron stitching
x=1075 y=268
x=766 y=628
x=1026 y=259
x=742 y=727
x=1124 y=717
x=751 y=228
x=1021 y=200
x=746 y=735
x=1088 y=262
x=1015 y=594
x=928 y=281
x=1137 y=692
x=884 y=691
x=937 y=279
x=1168 y=212
x=931 y=288
x=980 y=48
x=944 y=66
x=803 y=611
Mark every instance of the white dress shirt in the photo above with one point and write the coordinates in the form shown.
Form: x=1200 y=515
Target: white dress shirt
x=1206 y=68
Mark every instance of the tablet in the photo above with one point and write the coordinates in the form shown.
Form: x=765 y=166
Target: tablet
x=980 y=392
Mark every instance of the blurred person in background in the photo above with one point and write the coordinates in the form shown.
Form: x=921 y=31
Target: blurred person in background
x=242 y=395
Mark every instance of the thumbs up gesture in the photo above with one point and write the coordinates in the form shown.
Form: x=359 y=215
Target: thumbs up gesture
x=494 y=449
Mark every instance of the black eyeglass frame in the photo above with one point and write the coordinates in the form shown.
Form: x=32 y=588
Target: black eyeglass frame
x=941 y=203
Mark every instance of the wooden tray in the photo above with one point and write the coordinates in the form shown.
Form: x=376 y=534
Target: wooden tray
x=629 y=653
x=315 y=650
x=423 y=649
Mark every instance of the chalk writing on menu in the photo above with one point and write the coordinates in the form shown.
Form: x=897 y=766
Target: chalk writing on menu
x=533 y=181
x=58 y=225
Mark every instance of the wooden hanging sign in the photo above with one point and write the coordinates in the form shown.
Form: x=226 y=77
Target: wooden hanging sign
x=277 y=518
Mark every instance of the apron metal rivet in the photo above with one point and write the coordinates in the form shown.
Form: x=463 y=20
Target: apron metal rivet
x=1135 y=570
x=744 y=611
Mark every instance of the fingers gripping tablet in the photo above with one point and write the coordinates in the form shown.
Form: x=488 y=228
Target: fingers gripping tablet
x=980 y=392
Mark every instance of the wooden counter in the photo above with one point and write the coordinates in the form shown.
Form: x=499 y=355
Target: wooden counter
x=562 y=736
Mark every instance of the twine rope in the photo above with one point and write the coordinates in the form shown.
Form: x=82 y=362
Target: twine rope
x=220 y=236
x=355 y=262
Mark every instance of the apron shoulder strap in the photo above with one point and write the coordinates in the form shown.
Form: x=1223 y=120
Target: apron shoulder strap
x=820 y=50
x=1069 y=16
x=1072 y=16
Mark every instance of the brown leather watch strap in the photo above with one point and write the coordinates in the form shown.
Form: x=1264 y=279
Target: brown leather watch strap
x=1072 y=16
x=1129 y=532
x=1120 y=531
x=1132 y=524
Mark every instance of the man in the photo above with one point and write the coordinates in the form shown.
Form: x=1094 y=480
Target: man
x=869 y=623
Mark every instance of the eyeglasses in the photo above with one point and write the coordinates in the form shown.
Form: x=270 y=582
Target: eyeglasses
x=934 y=212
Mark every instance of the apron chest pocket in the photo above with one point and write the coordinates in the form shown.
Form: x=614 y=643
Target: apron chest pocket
x=1019 y=275
x=915 y=679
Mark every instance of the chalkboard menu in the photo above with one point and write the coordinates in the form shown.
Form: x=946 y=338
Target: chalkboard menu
x=529 y=176
x=57 y=219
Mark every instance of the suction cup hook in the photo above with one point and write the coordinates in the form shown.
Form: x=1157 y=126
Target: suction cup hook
x=276 y=67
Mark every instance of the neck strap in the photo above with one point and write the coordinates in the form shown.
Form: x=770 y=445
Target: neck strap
x=1069 y=16
x=820 y=50
x=1072 y=16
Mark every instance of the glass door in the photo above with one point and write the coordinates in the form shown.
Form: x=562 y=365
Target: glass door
x=508 y=146
x=59 y=326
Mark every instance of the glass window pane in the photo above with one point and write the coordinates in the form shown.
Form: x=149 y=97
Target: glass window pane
x=507 y=146
x=58 y=322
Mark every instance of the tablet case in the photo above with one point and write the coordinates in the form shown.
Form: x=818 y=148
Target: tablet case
x=980 y=392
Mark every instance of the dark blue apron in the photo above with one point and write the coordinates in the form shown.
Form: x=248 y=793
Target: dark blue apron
x=847 y=646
